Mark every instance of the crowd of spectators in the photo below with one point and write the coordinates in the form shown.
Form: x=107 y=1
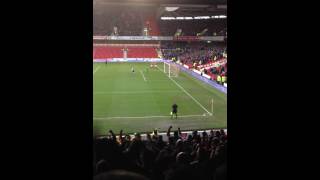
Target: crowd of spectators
x=196 y=52
x=192 y=27
x=197 y=156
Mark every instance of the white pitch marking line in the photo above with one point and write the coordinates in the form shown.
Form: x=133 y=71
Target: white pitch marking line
x=96 y=69
x=188 y=94
x=143 y=117
x=144 y=78
x=136 y=92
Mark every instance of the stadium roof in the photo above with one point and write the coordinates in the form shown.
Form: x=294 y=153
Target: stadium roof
x=195 y=10
x=179 y=7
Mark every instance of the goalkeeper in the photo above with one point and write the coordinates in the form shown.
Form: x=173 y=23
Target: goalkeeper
x=174 y=110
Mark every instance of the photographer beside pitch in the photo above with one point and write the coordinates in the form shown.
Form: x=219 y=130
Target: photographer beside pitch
x=174 y=110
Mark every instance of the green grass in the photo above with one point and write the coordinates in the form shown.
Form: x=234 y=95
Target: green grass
x=124 y=100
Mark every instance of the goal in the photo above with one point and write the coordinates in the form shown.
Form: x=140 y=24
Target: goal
x=171 y=69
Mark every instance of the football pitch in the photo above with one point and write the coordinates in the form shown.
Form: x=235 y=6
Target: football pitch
x=141 y=101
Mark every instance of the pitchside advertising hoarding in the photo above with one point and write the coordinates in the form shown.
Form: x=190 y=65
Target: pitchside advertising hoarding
x=206 y=79
x=160 y=38
x=198 y=38
x=129 y=60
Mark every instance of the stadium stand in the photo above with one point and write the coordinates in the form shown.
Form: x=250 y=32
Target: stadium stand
x=129 y=21
x=132 y=21
x=192 y=27
x=142 y=52
x=201 y=56
x=103 y=52
x=197 y=156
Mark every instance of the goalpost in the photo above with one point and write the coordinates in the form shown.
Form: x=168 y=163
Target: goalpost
x=172 y=70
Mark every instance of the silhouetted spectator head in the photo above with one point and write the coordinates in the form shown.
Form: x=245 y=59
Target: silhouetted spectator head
x=137 y=136
x=189 y=138
x=182 y=158
x=222 y=132
x=204 y=134
x=179 y=143
x=211 y=133
x=102 y=166
x=171 y=140
x=128 y=137
x=160 y=143
x=218 y=133
x=223 y=136
x=119 y=175
x=136 y=147
x=194 y=133
x=197 y=139
x=215 y=141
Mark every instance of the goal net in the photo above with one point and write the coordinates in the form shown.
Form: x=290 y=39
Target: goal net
x=172 y=70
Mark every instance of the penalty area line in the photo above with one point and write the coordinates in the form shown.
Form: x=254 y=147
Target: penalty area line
x=183 y=90
x=96 y=69
x=144 y=78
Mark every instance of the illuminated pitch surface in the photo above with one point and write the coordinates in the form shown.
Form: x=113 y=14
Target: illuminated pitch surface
x=141 y=101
